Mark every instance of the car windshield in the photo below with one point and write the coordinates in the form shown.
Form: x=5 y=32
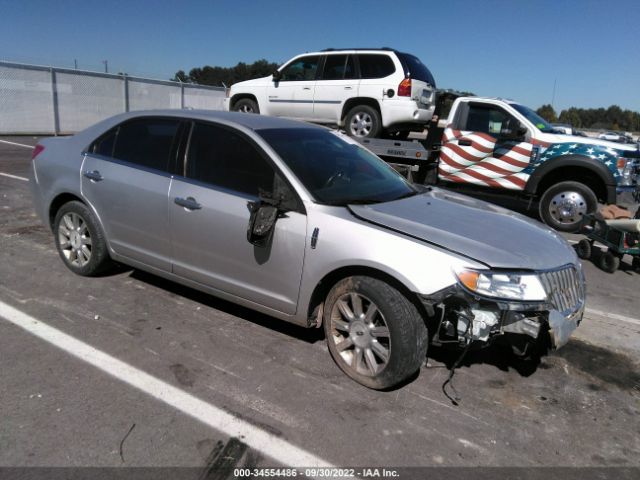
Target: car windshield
x=416 y=68
x=540 y=123
x=335 y=171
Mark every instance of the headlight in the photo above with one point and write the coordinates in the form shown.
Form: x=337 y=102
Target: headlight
x=508 y=285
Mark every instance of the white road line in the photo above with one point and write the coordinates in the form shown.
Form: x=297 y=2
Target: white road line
x=274 y=447
x=17 y=144
x=14 y=176
x=613 y=316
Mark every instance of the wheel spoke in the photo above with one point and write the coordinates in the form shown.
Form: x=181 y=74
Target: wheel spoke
x=68 y=222
x=380 y=331
x=86 y=252
x=75 y=219
x=371 y=313
x=343 y=345
x=358 y=359
x=345 y=310
x=341 y=325
x=65 y=244
x=356 y=303
x=381 y=351
x=86 y=240
x=371 y=361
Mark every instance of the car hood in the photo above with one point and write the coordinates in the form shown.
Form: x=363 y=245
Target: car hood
x=554 y=138
x=492 y=235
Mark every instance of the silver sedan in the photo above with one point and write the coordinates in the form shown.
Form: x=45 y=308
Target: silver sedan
x=302 y=224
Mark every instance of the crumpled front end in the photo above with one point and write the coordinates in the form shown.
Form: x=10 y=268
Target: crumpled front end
x=465 y=315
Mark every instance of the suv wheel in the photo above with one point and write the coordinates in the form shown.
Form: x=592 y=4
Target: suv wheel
x=564 y=205
x=374 y=333
x=246 y=105
x=79 y=240
x=363 y=121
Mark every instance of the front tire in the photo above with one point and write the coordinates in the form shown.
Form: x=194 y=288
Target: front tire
x=363 y=121
x=246 y=105
x=564 y=205
x=374 y=333
x=79 y=240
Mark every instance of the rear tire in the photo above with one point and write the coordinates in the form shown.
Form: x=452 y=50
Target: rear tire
x=246 y=105
x=609 y=262
x=362 y=121
x=374 y=333
x=584 y=249
x=563 y=205
x=80 y=241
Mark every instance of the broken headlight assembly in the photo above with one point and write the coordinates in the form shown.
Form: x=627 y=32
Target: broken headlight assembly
x=502 y=285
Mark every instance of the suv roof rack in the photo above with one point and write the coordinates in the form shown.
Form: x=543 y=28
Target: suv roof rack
x=342 y=49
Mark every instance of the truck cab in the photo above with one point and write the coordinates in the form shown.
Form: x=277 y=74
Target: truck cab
x=500 y=144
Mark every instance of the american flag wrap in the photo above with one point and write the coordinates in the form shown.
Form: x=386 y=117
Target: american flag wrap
x=482 y=163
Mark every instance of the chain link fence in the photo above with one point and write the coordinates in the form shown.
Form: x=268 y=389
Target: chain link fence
x=49 y=100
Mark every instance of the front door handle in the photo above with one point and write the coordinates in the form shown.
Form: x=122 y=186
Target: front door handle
x=93 y=175
x=306 y=88
x=189 y=203
x=464 y=142
x=348 y=88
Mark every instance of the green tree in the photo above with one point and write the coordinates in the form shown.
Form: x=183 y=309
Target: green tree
x=548 y=113
x=218 y=76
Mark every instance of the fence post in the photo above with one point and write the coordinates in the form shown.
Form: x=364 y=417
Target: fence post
x=54 y=103
x=125 y=91
x=181 y=95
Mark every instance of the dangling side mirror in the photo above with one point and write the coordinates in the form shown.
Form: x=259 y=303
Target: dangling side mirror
x=261 y=222
x=276 y=76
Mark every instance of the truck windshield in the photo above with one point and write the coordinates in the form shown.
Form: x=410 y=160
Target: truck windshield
x=416 y=68
x=335 y=171
x=540 y=123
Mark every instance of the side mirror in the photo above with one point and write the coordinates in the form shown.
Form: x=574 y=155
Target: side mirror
x=276 y=76
x=516 y=133
x=261 y=222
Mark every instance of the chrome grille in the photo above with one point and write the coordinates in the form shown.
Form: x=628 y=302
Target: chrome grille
x=564 y=288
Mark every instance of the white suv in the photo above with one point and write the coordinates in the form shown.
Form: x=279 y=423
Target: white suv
x=368 y=92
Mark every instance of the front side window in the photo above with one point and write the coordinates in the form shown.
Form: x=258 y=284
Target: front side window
x=146 y=142
x=335 y=171
x=222 y=157
x=304 y=68
x=338 y=67
x=540 y=123
x=104 y=145
x=375 y=65
x=487 y=119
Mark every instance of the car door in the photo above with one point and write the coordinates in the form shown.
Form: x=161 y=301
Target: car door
x=481 y=148
x=335 y=85
x=125 y=178
x=292 y=94
x=209 y=213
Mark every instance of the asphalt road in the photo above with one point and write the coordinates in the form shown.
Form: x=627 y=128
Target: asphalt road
x=137 y=371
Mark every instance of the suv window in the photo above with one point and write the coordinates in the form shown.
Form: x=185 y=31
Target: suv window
x=301 y=69
x=146 y=142
x=375 y=65
x=416 y=69
x=486 y=119
x=221 y=157
x=338 y=67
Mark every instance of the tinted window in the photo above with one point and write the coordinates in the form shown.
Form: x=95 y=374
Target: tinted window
x=416 y=69
x=104 y=145
x=302 y=69
x=146 y=142
x=534 y=118
x=221 y=157
x=487 y=119
x=333 y=171
x=375 y=66
x=338 y=67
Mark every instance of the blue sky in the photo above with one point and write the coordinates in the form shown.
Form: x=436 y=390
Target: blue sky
x=510 y=48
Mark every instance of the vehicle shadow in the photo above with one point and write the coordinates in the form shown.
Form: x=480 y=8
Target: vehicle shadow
x=308 y=335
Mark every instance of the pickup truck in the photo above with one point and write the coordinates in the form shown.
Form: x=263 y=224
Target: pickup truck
x=503 y=146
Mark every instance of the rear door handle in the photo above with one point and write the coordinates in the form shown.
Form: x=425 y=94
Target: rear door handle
x=189 y=203
x=93 y=175
x=306 y=88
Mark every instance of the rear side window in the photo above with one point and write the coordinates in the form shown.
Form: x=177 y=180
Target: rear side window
x=375 y=66
x=416 y=69
x=146 y=142
x=338 y=67
x=221 y=157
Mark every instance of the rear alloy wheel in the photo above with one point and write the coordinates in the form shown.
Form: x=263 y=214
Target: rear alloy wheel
x=363 y=121
x=246 y=105
x=564 y=205
x=609 y=262
x=79 y=240
x=584 y=249
x=374 y=333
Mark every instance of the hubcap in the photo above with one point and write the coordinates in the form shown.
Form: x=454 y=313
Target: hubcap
x=245 y=109
x=361 y=124
x=74 y=239
x=568 y=207
x=360 y=334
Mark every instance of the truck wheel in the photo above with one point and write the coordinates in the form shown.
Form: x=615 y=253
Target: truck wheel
x=584 y=249
x=564 y=205
x=80 y=241
x=363 y=121
x=246 y=105
x=609 y=262
x=374 y=333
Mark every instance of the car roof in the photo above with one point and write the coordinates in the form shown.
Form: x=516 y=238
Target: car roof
x=247 y=120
